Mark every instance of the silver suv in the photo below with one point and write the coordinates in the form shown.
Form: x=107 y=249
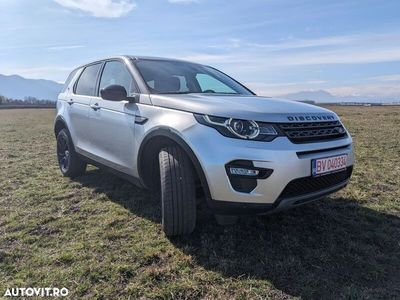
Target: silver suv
x=182 y=128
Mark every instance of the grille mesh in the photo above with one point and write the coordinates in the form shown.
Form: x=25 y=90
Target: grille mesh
x=307 y=185
x=313 y=131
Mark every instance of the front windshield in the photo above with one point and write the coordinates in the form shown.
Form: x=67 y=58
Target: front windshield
x=176 y=77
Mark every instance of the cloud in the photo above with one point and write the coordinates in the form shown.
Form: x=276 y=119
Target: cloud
x=367 y=90
x=385 y=78
x=328 y=41
x=183 y=1
x=52 y=72
x=343 y=56
x=100 y=8
x=206 y=58
x=256 y=64
x=66 y=47
x=377 y=91
x=281 y=88
x=42 y=46
x=334 y=50
x=291 y=43
x=257 y=60
x=345 y=49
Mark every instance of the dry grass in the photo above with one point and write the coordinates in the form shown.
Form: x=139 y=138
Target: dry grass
x=100 y=236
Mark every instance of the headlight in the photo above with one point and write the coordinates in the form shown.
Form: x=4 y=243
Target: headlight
x=243 y=128
x=237 y=128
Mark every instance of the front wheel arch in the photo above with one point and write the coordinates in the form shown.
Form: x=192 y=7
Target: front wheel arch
x=150 y=148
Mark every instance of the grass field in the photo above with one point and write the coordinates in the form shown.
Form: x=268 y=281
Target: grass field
x=100 y=237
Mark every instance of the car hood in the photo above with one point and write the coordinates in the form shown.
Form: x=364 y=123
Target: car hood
x=256 y=108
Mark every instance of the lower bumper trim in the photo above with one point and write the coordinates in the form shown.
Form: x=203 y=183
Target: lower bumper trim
x=240 y=208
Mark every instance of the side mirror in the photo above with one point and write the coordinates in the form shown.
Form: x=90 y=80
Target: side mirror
x=114 y=92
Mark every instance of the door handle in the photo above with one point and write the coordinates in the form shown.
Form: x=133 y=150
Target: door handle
x=70 y=101
x=95 y=106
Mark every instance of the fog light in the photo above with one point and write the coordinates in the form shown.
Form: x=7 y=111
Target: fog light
x=243 y=171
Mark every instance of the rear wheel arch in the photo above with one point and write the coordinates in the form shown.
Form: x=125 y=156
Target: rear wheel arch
x=149 y=151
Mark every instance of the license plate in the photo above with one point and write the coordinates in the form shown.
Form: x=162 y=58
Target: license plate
x=329 y=164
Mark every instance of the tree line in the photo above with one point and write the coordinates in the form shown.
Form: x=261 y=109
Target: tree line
x=31 y=101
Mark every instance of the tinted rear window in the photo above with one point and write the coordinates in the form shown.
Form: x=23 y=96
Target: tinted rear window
x=86 y=84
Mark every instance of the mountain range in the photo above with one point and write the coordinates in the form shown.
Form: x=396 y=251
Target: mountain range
x=321 y=96
x=17 y=87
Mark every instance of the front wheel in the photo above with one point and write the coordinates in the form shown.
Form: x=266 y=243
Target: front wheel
x=69 y=162
x=178 y=193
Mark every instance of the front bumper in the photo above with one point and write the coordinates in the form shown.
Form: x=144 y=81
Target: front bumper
x=288 y=161
x=239 y=208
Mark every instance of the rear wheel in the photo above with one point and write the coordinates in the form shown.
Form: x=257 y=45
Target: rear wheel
x=69 y=162
x=178 y=193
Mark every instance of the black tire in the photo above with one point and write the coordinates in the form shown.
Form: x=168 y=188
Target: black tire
x=68 y=160
x=178 y=193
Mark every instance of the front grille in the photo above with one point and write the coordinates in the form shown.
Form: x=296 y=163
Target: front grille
x=313 y=131
x=307 y=185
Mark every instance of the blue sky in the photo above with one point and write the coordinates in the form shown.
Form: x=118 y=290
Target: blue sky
x=274 y=46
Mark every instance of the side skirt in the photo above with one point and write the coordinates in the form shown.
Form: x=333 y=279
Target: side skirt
x=134 y=180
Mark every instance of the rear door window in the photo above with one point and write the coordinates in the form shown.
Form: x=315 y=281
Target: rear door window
x=86 y=84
